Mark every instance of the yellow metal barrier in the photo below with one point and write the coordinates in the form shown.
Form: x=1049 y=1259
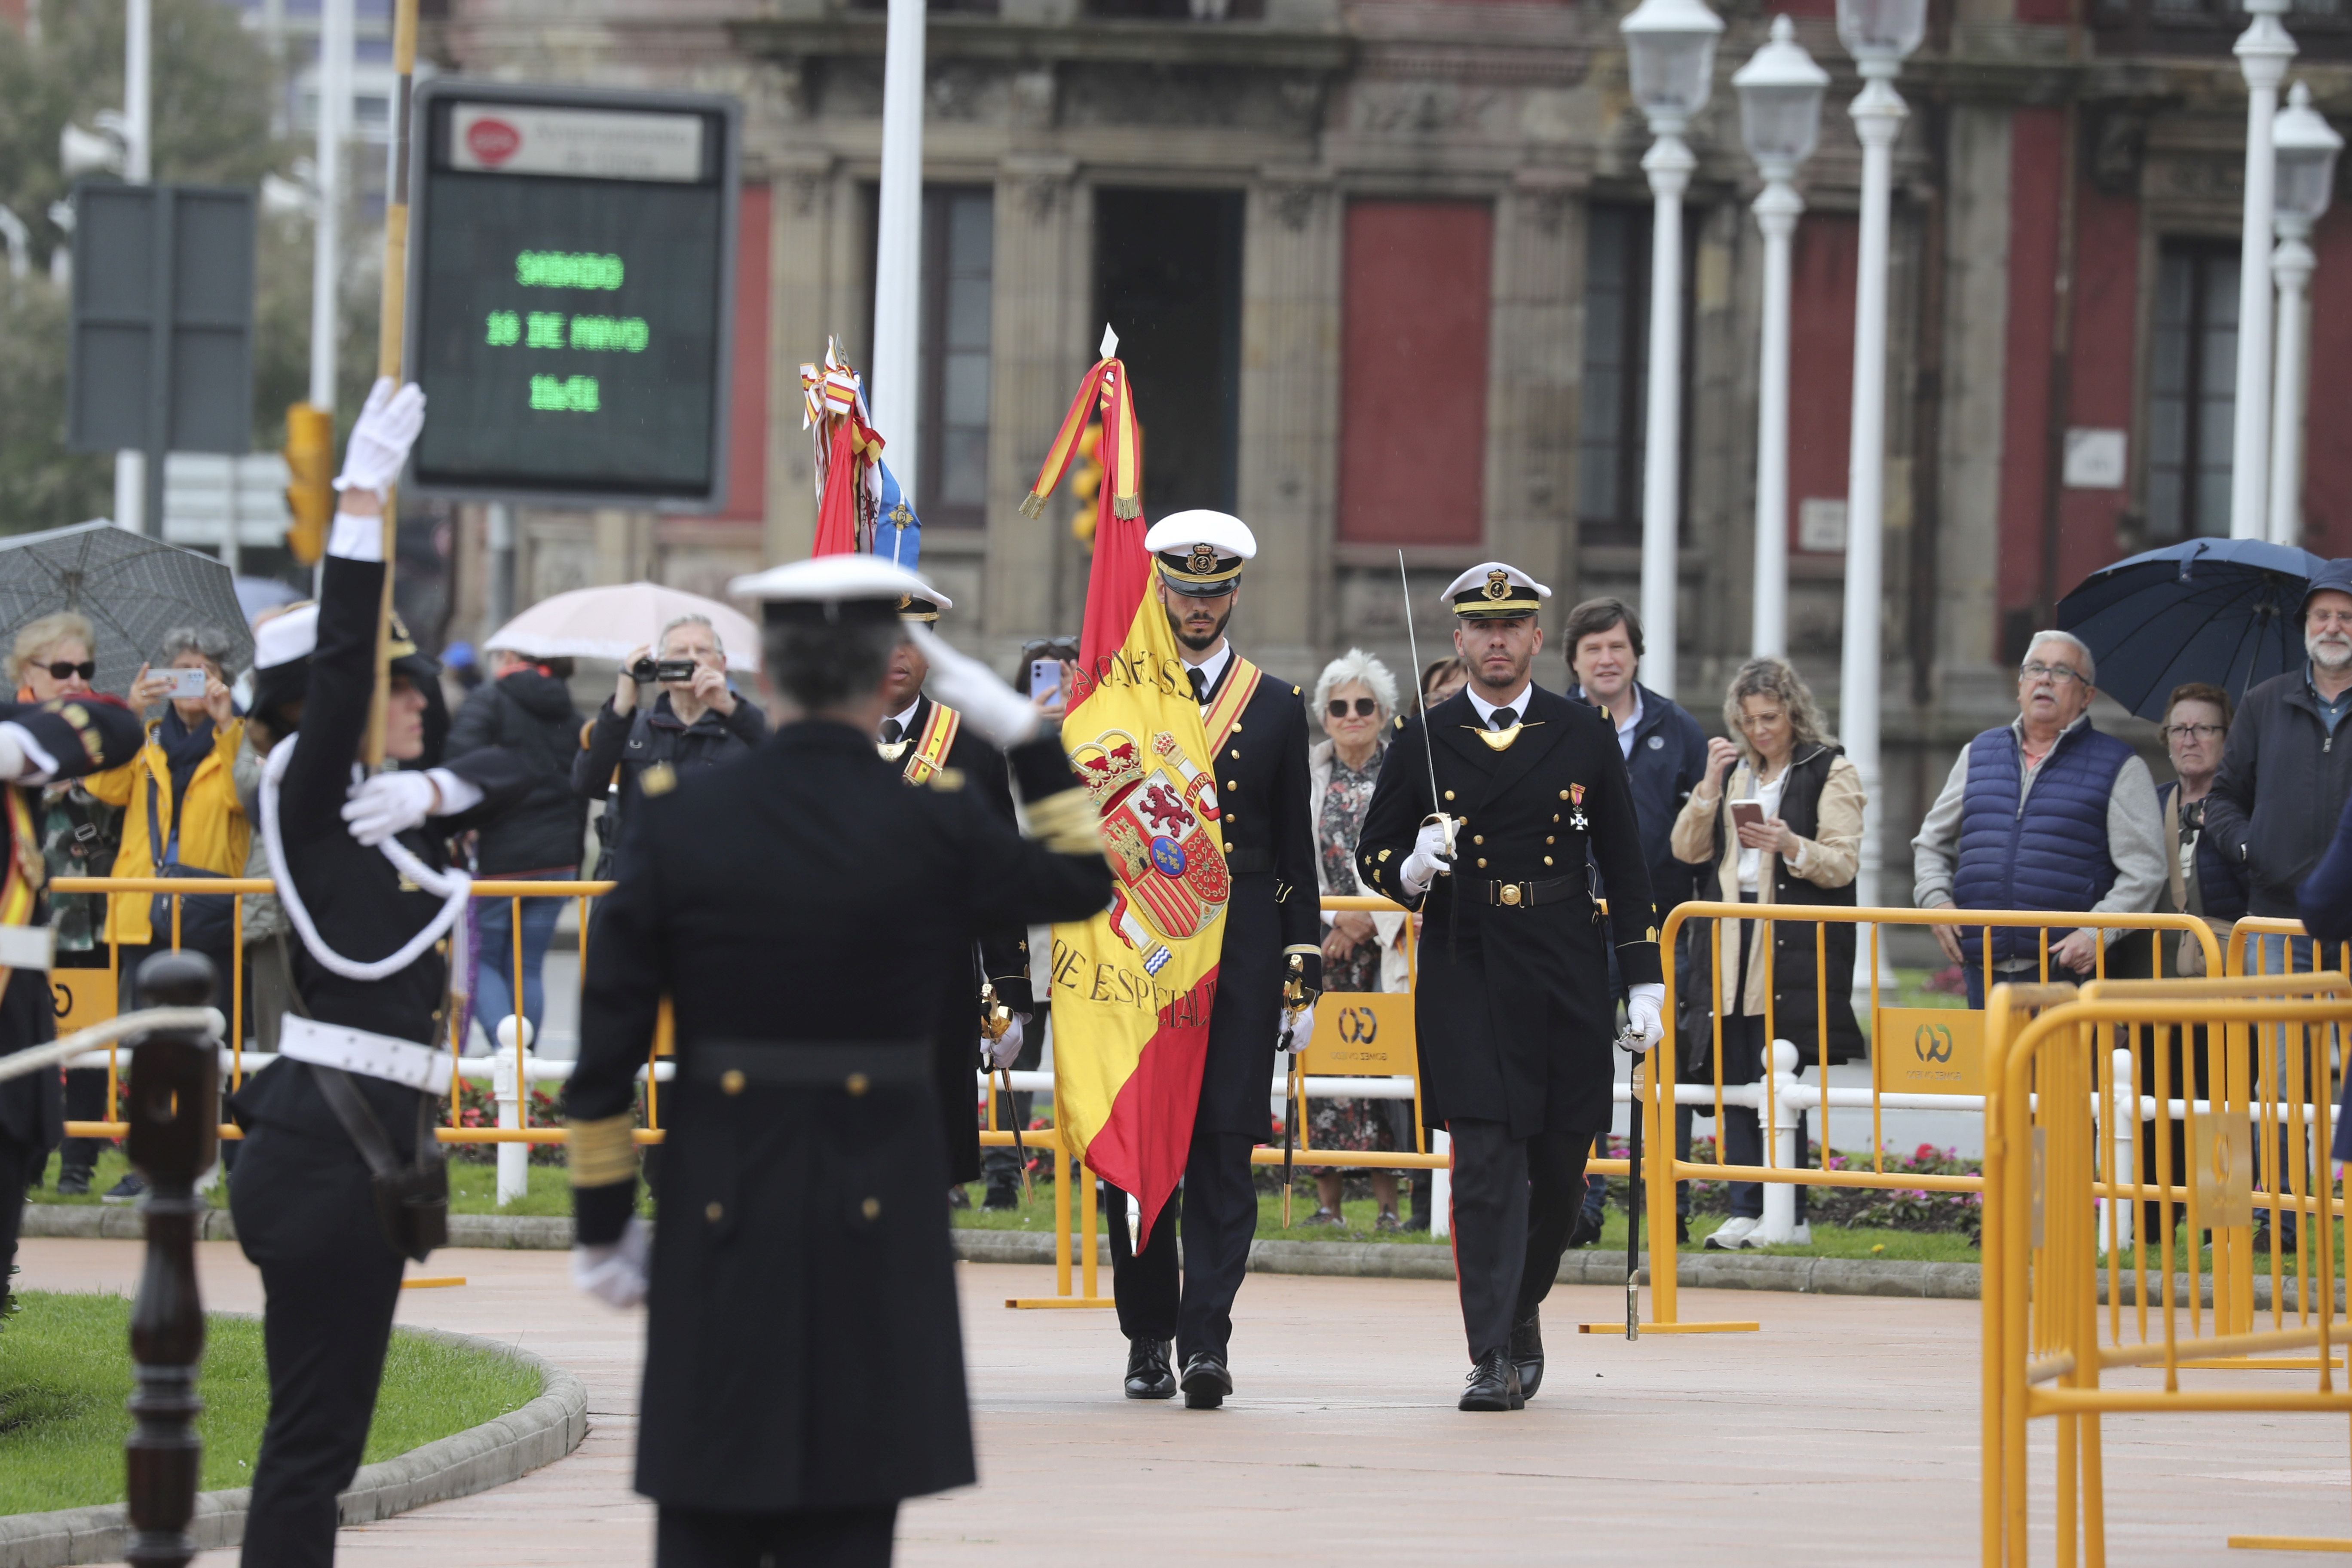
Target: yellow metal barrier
x=2056 y=1169
x=1660 y=1093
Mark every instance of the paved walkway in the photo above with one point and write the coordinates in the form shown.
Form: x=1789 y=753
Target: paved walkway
x=1845 y=1433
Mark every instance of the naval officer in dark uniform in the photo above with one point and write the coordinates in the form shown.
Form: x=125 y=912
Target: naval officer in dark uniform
x=1513 y=1007
x=1273 y=930
x=806 y=912
x=357 y=1051
x=926 y=741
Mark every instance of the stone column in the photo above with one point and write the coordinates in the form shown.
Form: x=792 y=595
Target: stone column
x=1976 y=304
x=1042 y=339
x=1290 y=418
x=1535 y=359
x=803 y=212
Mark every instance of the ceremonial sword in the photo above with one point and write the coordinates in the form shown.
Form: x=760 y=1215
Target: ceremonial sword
x=1429 y=749
x=1293 y=992
x=1632 y=1193
x=994 y=1019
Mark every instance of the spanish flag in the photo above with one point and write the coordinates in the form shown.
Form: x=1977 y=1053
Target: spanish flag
x=1133 y=986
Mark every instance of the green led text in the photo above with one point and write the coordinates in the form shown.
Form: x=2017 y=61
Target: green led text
x=627 y=333
x=567 y=269
x=543 y=330
x=505 y=329
x=563 y=394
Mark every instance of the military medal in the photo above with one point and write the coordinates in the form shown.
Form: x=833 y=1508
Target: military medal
x=1576 y=818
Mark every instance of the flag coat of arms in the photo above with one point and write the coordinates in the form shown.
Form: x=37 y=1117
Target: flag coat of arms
x=1133 y=987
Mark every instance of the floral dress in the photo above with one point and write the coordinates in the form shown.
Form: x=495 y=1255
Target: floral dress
x=1347 y=1123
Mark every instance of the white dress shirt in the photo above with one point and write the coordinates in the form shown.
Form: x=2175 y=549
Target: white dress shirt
x=1485 y=709
x=1212 y=668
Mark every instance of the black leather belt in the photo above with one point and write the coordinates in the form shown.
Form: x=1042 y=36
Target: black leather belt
x=852 y=1065
x=1249 y=861
x=1523 y=895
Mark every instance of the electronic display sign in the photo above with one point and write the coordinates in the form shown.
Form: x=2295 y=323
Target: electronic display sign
x=572 y=287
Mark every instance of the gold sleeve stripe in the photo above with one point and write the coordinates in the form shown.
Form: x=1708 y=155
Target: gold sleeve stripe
x=604 y=1151
x=1066 y=823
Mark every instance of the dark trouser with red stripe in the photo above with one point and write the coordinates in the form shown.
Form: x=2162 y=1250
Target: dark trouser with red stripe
x=1515 y=1200
x=1217 y=1208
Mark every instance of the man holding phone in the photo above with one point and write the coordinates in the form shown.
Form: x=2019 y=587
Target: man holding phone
x=932 y=748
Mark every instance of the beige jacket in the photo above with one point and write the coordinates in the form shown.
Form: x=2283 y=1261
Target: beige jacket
x=1830 y=860
x=1391 y=927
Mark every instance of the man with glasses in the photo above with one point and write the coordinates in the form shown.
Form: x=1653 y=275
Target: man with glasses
x=2045 y=813
x=2282 y=788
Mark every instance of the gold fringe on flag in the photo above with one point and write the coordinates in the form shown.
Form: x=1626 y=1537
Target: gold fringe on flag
x=1104 y=387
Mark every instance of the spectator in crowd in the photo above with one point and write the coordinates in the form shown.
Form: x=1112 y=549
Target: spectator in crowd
x=2045 y=813
x=2282 y=788
x=1799 y=843
x=526 y=707
x=1442 y=679
x=275 y=714
x=697 y=722
x=56 y=656
x=2201 y=881
x=1355 y=698
x=181 y=816
x=1666 y=755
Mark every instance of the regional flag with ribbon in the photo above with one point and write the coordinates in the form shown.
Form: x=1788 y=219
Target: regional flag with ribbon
x=1133 y=987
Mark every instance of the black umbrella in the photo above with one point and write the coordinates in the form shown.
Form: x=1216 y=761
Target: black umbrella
x=132 y=588
x=2224 y=611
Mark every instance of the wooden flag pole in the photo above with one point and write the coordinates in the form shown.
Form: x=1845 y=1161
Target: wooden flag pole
x=391 y=325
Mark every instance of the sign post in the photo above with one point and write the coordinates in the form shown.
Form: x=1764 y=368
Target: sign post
x=572 y=285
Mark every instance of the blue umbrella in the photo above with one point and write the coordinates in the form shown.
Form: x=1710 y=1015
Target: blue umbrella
x=2225 y=611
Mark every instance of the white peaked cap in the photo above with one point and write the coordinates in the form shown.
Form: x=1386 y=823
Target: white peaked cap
x=1221 y=532
x=284 y=639
x=1482 y=575
x=836 y=579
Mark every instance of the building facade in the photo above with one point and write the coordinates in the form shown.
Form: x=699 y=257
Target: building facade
x=1379 y=269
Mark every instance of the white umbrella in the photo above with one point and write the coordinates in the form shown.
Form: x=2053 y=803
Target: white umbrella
x=607 y=623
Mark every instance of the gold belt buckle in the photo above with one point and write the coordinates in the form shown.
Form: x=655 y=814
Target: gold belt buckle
x=1510 y=893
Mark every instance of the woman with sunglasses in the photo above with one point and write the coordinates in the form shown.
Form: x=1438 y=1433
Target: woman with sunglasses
x=1356 y=699
x=56 y=656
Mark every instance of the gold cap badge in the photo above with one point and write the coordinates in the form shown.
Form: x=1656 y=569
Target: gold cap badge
x=1203 y=558
x=1498 y=584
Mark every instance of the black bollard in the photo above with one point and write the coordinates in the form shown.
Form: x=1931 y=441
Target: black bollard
x=173 y=1111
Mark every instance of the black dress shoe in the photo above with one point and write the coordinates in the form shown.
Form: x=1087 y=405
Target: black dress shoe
x=1527 y=1353
x=1206 y=1380
x=1585 y=1231
x=1147 y=1376
x=1494 y=1384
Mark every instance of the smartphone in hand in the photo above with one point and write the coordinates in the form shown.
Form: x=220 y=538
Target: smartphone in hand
x=1747 y=814
x=1044 y=678
x=187 y=684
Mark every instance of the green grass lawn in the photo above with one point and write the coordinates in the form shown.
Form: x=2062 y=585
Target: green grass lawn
x=65 y=1371
x=473 y=1189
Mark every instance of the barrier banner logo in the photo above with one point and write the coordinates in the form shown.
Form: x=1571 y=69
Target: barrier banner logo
x=2222 y=1148
x=1928 y=1050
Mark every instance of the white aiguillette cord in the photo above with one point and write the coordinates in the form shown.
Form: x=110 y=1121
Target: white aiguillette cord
x=454 y=888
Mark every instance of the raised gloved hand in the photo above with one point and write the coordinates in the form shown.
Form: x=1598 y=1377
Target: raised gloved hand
x=615 y=1274
x=387 y=428
x=1431 y=855
x=1002 y=716
x=999 y=1053
x=1302 y=1027
x=389 y=803
x=1644 y=1026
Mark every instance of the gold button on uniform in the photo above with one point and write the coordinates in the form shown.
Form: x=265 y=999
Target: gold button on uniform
x=1563 y=795
x=1546 y=859
x=1230 y=785
x=871 y=1208
x=1449 y=795
x=1482 y=862
x=1236 y=754
x=857 y=1083
x=1477 y=838
x=1548 y=838
x=712 y=1212
x=731 y=1081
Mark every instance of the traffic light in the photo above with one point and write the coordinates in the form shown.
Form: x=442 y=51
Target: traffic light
x=310 y=463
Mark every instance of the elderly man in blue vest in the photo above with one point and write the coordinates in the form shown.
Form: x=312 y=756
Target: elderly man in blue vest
x=2045 y=813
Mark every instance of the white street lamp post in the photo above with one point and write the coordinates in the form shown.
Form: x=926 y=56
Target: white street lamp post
x=1878 y=34
x=2263 y=51
x=138 y=165
x=1670 y=51
x=1780 y=118
x=2306 y=146
x=899 y=245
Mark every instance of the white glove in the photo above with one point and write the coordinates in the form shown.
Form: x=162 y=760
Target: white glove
x=1302 y=1028
x=1002 y=716
x=615 y=1274
x=1644 y=1007
x=389 y=803
x=999 y=1053
x=1430 y=860
x=387 y=428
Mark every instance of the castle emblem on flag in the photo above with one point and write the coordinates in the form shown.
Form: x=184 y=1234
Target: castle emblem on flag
x=1156 y=807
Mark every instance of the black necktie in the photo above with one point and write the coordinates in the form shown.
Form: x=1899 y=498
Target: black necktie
x=1200 y=684
x=1503 y=719
x=892 y=731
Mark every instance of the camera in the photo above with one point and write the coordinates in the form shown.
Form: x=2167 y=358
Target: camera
x=662 y=669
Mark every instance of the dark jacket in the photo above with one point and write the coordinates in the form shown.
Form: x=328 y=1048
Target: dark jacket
x=2282 y=788
x=529 y=713
x=2221 y=882
x=616 y=749
x=802 y=1348
x=1668 y=760
x=83 y=736
x=1512 y=1009
x=2045 y=849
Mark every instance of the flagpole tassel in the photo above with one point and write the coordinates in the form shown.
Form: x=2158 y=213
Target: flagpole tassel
x=1032 y=505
